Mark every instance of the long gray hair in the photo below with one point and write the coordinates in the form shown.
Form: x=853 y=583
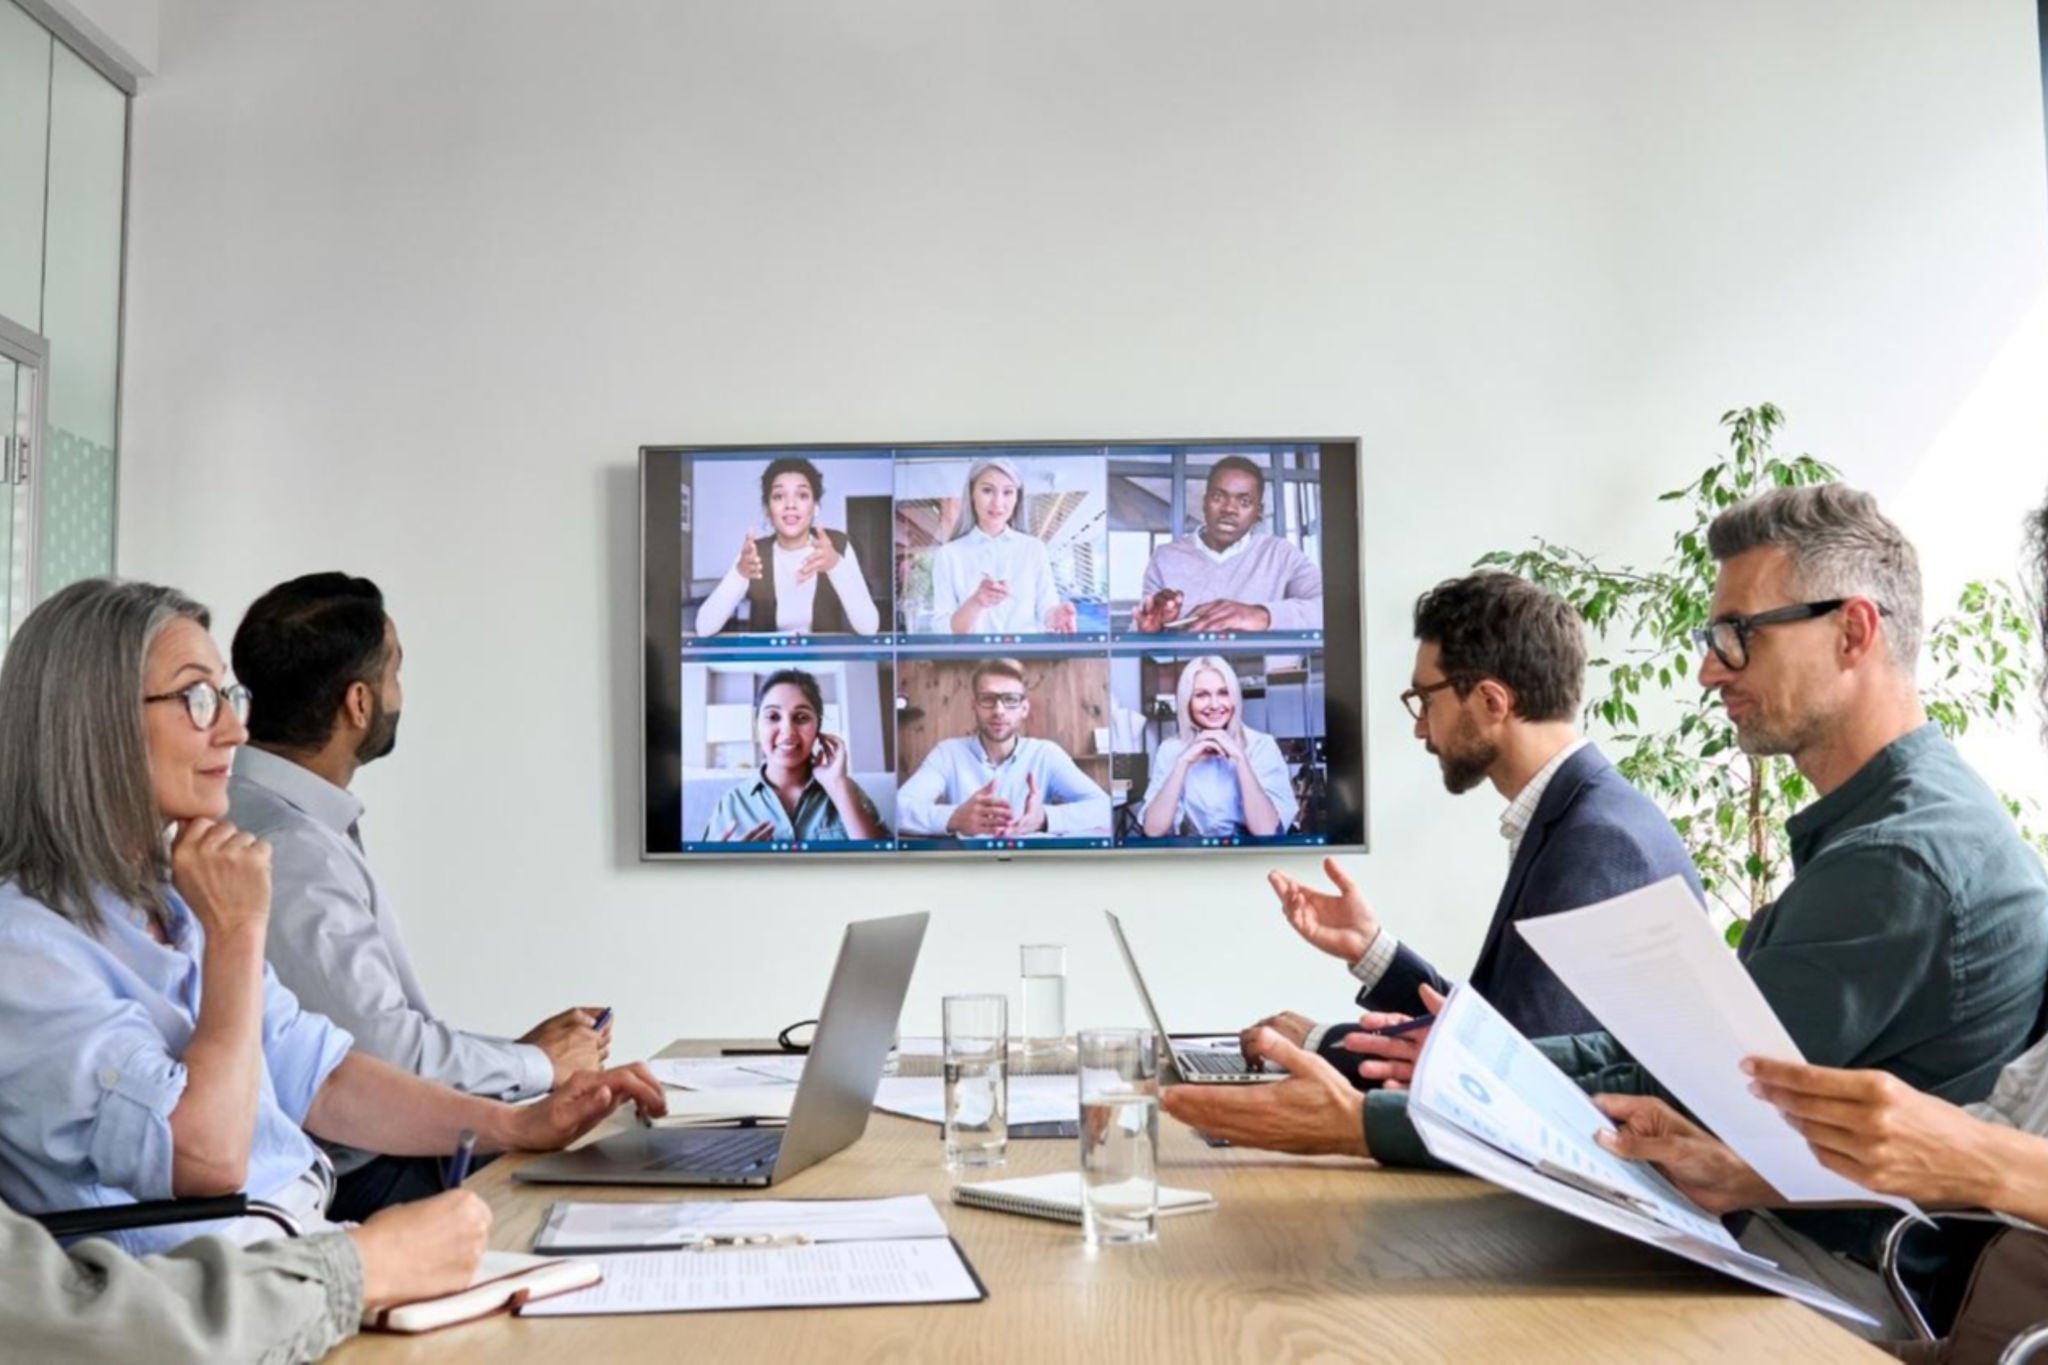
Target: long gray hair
x=80 y=814
x=967 y=520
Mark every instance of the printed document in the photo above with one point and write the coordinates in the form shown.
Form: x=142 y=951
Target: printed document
x=1485 y=1100
x=826 y=1275
x=579 y=1226
x=1655 y=974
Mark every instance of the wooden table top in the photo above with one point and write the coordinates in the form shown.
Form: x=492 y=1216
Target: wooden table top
x=1303 y=1259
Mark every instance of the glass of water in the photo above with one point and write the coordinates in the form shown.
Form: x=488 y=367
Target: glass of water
x=1045 y=999
x=1119 y=1078
x=977 y=1043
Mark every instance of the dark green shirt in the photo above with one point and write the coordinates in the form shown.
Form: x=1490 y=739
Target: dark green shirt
x=1913 y=938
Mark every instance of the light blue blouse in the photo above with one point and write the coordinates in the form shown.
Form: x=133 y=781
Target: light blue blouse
x=91 y=1035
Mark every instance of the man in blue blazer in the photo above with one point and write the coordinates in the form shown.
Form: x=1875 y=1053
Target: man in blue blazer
x=1499 y=666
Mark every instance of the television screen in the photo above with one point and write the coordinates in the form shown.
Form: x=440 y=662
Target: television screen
x=1008 y=649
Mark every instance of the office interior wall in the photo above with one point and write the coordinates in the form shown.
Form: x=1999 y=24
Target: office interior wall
x=410 y=285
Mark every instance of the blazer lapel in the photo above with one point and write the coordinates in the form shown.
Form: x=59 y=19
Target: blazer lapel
x=1557 y=799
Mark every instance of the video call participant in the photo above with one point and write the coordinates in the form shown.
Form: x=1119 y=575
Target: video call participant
x=1218 y=776
x=804 y=788
x=1887 y=1136
x=146 y=1052
x=1913 y=936
x=321 y=659
x=210 y=1300
x=815 y=586
x=999 y=783
x=1499 y=667
x=994 y=577
x=1230 y=575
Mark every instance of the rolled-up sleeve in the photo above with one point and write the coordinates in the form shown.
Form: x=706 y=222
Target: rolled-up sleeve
x=87 y=1080
x=300 y=1048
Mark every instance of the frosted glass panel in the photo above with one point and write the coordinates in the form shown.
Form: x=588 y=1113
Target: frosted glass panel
x=24 y=135
x=82 y=319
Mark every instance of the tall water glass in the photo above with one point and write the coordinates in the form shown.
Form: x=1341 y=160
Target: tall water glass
x=1119 y=1078
x=1045 y=999
x=977 y=1043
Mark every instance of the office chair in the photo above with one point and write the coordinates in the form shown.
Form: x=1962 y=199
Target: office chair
x=2020 y=1350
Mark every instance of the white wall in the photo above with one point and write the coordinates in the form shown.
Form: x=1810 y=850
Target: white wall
x=409 y=285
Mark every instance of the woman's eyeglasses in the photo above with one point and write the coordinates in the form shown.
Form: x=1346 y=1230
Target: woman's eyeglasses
x=202 y=702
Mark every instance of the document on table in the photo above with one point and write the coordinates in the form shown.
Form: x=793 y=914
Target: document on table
x=1033 y=1099
x=824 y=1275
x=1655 y=974
x=585 y=1226
x=717 y=1073
x=1485 y=1100
x=703 y=1108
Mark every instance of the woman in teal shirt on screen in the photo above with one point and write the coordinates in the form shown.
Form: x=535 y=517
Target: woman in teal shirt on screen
x=804 y=789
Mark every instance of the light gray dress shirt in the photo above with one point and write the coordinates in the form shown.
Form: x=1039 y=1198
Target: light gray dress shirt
x=207 y=1301
x=335 y=940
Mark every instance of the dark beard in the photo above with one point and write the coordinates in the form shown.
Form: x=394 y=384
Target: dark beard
x=381 y=738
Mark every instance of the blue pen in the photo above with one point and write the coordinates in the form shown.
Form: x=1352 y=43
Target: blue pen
x=458 y=1165
x=1419 y=1022
x=604 y=1016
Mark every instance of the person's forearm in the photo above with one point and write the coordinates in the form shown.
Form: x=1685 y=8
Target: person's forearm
x=1260 y=815
x=724 y=600
x=2017 y=1180
x=372 y=1105
x=963 y=620
x=860 y=821
x=215 y=1119
x=1165 y=804
x=854 y=598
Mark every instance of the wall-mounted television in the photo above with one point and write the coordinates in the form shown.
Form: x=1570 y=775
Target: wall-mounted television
x=1005 y=649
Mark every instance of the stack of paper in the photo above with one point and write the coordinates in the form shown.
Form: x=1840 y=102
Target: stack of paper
x=1033 y=1099
x=1656 y=975
x=845 y=1252
x=1485 y=1100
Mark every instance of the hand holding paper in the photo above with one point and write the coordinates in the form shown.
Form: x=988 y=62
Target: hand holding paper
x=1656 y=975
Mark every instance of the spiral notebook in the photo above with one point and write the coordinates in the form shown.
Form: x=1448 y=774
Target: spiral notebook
x=1058 y=1197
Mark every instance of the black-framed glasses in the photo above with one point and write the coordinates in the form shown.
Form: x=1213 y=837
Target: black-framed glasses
x=1416 y=699
x=1728 y=637
x=202 y=701
x=1004 y=701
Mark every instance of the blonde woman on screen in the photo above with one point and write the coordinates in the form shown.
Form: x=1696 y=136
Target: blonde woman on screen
x=994 y=577
x=1218 y=776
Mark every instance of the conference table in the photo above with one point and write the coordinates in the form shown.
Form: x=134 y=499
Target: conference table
x=1304 y=1258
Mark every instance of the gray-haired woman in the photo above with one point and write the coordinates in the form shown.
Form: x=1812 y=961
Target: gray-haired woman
x=146 y=1052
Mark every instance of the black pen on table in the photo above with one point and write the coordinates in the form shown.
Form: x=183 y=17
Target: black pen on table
x=1415 y=1025
x=458 y=1165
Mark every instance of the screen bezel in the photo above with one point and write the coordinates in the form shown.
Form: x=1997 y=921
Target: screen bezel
x=661 y=637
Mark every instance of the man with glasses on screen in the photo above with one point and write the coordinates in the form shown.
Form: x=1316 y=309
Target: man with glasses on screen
x=999 y=783
x=1230 y=576
x=1913 y=935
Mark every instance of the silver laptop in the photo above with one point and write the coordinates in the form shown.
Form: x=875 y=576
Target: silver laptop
x=1196 y=1065
x=833 y=1098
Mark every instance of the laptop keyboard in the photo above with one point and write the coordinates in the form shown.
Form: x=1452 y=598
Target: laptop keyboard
x=1212 y=1061
x=738 y=1151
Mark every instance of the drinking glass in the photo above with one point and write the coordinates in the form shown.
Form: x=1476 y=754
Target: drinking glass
x=977 y=1042
x=1045 y=999
x=1119 y=1078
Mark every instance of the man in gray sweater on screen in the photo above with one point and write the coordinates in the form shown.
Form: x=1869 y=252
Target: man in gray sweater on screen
x=1230 y=576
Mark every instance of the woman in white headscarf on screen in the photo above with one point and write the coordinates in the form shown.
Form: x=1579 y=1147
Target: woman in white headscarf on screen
x=1218 y=776
x=993 y=577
